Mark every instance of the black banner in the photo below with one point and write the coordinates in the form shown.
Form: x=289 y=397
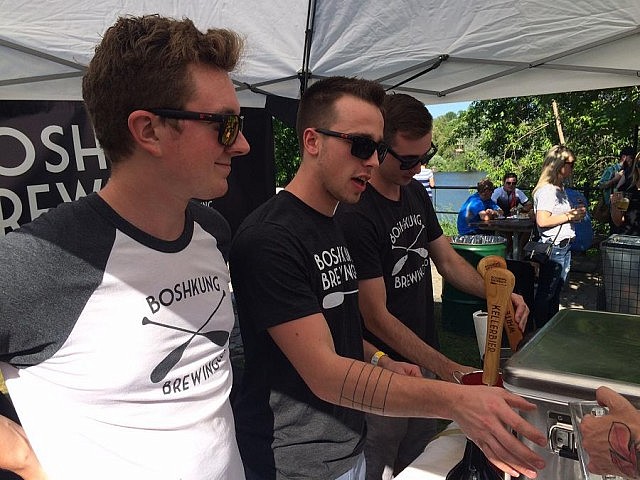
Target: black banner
x=48 y=155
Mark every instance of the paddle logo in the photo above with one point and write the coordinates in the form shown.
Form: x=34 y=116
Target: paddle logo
x=218 y=337
x=409 y=252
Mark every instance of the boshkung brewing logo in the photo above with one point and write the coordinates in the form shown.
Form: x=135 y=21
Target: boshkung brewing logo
x=412 y=261
x=336 y=268
x=181 y=291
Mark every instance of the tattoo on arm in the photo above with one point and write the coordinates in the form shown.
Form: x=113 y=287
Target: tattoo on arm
x=624 y=450
x=366 y=387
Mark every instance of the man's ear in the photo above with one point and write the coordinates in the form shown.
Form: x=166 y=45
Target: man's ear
x=310 y=141
x=144 y=128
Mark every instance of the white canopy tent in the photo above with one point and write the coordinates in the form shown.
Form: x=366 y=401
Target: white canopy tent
x=439 y=51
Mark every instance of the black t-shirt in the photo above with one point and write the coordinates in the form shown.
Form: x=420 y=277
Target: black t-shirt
x=390 y=239
x=628 y=178
x=288 y=261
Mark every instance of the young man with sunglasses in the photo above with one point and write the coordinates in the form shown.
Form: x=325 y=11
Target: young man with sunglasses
x=308 y=376
x=116 y=309
x=393 y=234
x=508 y=197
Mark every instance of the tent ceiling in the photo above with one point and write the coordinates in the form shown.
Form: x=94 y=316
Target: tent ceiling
x=480 y=49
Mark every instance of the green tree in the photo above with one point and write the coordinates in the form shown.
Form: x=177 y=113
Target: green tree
x=286 y=152
x=516 y=132
x=457 y=152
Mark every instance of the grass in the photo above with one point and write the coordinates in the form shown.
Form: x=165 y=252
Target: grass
x=450 y=229
x=461 y=348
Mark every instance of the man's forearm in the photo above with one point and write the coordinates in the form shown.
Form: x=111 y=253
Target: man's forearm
x=464 y=277
x=404 y=341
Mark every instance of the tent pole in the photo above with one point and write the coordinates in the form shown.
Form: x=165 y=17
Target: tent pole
x=304 y=74
x=437 y=63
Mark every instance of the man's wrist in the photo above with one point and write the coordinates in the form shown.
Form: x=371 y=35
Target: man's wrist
x=375 y=358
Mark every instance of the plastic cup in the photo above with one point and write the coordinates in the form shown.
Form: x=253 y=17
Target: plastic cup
x=480 y=325
x=622 y=204
x=620 y=201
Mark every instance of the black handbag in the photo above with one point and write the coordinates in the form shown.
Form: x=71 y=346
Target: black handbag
x=537 y=251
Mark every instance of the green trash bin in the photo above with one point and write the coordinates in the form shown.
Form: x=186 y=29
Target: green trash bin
x=458 y=306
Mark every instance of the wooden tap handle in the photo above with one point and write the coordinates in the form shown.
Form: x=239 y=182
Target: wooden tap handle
x=490 y=261
x=498 y=283
x=514 y=334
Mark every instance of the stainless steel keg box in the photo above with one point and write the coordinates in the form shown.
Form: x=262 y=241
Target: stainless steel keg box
x=565 y=361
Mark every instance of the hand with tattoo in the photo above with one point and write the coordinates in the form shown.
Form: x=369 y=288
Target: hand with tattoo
x=613 y=441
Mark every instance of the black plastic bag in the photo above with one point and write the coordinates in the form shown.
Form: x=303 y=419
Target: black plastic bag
x=474 y=466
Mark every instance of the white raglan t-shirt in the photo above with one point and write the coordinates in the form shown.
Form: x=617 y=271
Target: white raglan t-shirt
x=114 y=345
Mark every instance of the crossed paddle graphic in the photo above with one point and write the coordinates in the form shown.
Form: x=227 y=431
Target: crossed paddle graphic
x=219 y=337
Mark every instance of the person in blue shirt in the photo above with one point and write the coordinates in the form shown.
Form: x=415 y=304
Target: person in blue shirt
x=478 y=207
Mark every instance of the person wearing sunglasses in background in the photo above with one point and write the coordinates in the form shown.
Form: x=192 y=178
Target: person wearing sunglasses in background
x=393 y=234
x=309 y=375
x=512 y=201
x=555 y=219
x=116 y=309
x=508 y=197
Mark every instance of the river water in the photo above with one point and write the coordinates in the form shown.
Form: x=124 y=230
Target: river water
x=450 y=200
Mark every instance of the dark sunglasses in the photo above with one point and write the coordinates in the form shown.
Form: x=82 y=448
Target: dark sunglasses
x=509 y=183
x=231 y=123
x=410 y=161
x=361 y=147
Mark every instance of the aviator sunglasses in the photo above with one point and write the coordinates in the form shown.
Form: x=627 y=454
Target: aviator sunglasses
x=231 y=124
x=361 y=147
x=410 y=161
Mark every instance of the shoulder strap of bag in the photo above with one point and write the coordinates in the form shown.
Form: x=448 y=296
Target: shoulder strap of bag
x=535 y=235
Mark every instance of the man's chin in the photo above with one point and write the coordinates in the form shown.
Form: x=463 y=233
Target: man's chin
x=220 y=190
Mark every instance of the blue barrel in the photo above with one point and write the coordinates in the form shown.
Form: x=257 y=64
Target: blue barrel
x=458 y=306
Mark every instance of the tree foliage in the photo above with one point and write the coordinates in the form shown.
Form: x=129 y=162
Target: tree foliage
x=457 y=152
x=286 y=151
x=515 y=133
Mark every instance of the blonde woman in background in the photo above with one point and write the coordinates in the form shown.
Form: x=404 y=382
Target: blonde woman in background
x=554 y=219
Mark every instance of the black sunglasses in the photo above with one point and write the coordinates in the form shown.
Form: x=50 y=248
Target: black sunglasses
x=410 y=161
x=361 y=147
x=231 y=123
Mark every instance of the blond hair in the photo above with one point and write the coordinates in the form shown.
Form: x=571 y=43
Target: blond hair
x=553 y=162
